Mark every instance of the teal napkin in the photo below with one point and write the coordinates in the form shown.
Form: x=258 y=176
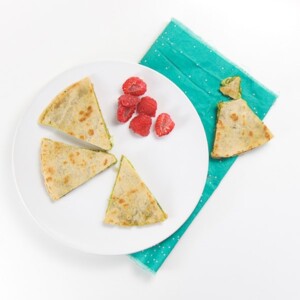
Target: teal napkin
x=197 y=69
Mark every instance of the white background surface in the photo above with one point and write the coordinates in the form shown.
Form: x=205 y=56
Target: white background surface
x=245 y=243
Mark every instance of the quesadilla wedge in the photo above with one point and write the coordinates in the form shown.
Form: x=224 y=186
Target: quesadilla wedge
x=65 y=167
x=238 y=129
x=231 y=87
x=131 y=203
x=76 y=111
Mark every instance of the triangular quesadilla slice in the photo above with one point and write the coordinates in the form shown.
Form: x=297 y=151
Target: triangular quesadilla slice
x=65 y=167
x=231 y=87
x=76 y=111
x=238 y=129
x=131 y=203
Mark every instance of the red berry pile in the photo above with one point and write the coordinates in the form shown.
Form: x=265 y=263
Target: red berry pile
x=144 y=107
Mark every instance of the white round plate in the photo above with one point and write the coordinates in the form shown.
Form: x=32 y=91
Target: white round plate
x=174 y=167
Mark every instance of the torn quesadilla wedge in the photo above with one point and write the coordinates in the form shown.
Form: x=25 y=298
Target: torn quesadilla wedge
x=131 y=203
x=231 y=87
x=65 y=167
x=76 y=112
x=238 y=129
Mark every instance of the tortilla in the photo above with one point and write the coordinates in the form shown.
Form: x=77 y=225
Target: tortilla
x=75 y=111
x=131 y=203
x=238 y=129
x=231 y=87
x=65 y=167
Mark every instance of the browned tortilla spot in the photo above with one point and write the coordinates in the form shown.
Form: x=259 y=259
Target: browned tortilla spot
x=86 y=114
x=58 y=103
x=57 y=146
x=66 y=179
x=220 y=123
x=71 y=158
x=132 y=191
x=234 y=117
x=51 y=170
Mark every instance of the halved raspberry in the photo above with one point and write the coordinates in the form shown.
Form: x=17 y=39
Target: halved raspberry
x=164 y=124
x=147 y=106
x=141 y=124
x=124 y=113
x=134 y=86
x=129 y=100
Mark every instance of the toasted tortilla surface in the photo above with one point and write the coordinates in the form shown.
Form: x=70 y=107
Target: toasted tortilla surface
x=131 y=203
x=238 y=129
x=231 y=87
x=76 y=112
x=65 y=167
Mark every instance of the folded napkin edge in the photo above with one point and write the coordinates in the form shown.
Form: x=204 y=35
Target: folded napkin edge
x=141 y=264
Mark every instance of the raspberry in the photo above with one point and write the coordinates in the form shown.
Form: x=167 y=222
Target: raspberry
x=164 y=124
x=124 y=113
x=147 y=106
x=141 y=124
x=129 y=100
x=134 y=86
